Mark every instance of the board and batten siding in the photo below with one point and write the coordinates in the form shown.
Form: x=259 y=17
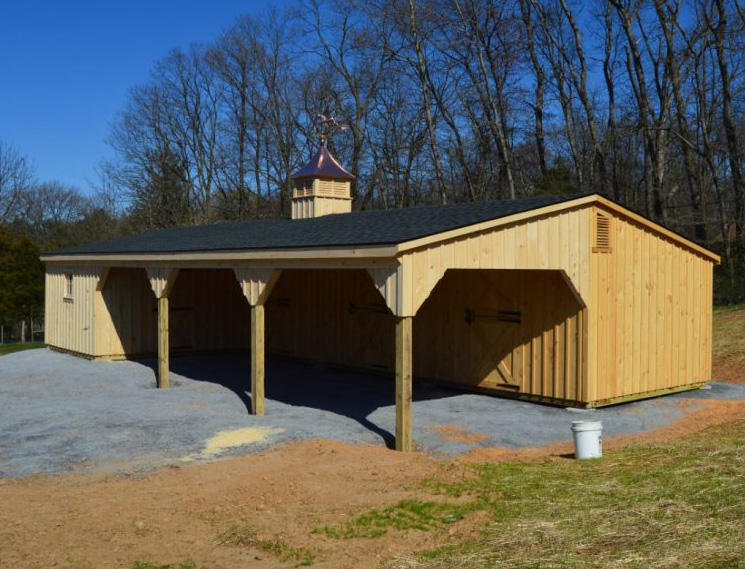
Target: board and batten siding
x=207 y=313
x=496 y=330
x=70 y=318
x=127 y=310
x=608 y=310
x=549 y=257
x=650 y=313
x=555 y=241
x=516 y=331
x=334 y=316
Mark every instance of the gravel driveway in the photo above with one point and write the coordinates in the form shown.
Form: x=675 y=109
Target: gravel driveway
x=60 y=413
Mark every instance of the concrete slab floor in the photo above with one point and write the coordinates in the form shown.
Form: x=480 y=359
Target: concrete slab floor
x=60 y=413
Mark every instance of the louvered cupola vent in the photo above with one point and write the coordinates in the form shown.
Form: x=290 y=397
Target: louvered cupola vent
x=321 y=187
x=602 y=233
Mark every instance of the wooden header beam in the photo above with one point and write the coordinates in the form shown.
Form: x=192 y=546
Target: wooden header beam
x=271 y=257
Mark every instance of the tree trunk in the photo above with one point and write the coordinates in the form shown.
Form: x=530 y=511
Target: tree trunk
x=421 y=67
x=729 y=128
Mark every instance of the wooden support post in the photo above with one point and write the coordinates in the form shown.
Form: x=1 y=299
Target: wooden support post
x=163 y=342
x=161 y=280
x=257 y=359
x=257 y=285
x=403 y=382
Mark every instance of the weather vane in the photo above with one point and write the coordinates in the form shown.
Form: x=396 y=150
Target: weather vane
x=326 y=126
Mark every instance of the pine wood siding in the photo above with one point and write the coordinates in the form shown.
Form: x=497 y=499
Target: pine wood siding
x=650 y=314
x=557 y=241
x=69 y=319
x=209 y=307
x=581 y=302
x=206 y=308
x=520 y=319
x=320 y=196
x=516 y=331
x=332 y=316
x=127 y=309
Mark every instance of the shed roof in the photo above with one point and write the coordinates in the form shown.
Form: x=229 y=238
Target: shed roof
x=377 y=227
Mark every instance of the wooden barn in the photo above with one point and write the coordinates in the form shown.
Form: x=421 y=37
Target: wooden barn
x=569 y=300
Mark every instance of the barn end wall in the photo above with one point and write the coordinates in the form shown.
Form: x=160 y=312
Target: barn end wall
x=650 y=313
x=553 y=247
x=69 y=314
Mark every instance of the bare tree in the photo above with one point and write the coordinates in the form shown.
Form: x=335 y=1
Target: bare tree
x=649 y=120
x=609 y=76
x=420 y=64
x=668 y=12
x=343 y=36
x=192 y=98
x=719 y=28
x=487 y=51
x=233 y=61
x=398 y=134
x=16 y=175
x=539 y=73
x=278 y=109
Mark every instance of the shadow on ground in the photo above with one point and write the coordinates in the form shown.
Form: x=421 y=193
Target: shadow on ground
x=344 y=392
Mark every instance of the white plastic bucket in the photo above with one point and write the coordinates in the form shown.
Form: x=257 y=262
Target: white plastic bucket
x=588 y=439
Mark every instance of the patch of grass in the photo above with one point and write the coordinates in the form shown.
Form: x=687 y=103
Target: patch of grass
x=147 y=565
x=668 y=505
x=729 y=308
x=728 y=343
x=241 y=536
x=405 y=515
x=18 y=347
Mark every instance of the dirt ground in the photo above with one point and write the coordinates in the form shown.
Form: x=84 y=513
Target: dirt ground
x=728 y=359
x=200 y=511
x=730 y=369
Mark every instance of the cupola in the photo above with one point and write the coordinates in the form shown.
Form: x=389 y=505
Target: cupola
x=321 y=187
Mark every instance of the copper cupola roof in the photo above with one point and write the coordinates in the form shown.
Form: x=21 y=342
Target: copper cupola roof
x=323 y=164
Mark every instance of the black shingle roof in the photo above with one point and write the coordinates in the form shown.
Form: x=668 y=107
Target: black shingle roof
x=378 y=227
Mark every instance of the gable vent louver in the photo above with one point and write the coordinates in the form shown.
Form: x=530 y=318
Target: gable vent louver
x=602 y=233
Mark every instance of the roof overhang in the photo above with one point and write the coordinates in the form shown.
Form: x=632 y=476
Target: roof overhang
x=340 y=253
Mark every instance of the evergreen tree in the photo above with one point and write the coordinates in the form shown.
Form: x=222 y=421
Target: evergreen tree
x=163 y=200
x=21 y=279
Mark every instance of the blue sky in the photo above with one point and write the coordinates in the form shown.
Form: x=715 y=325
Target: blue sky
x=66 y=68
